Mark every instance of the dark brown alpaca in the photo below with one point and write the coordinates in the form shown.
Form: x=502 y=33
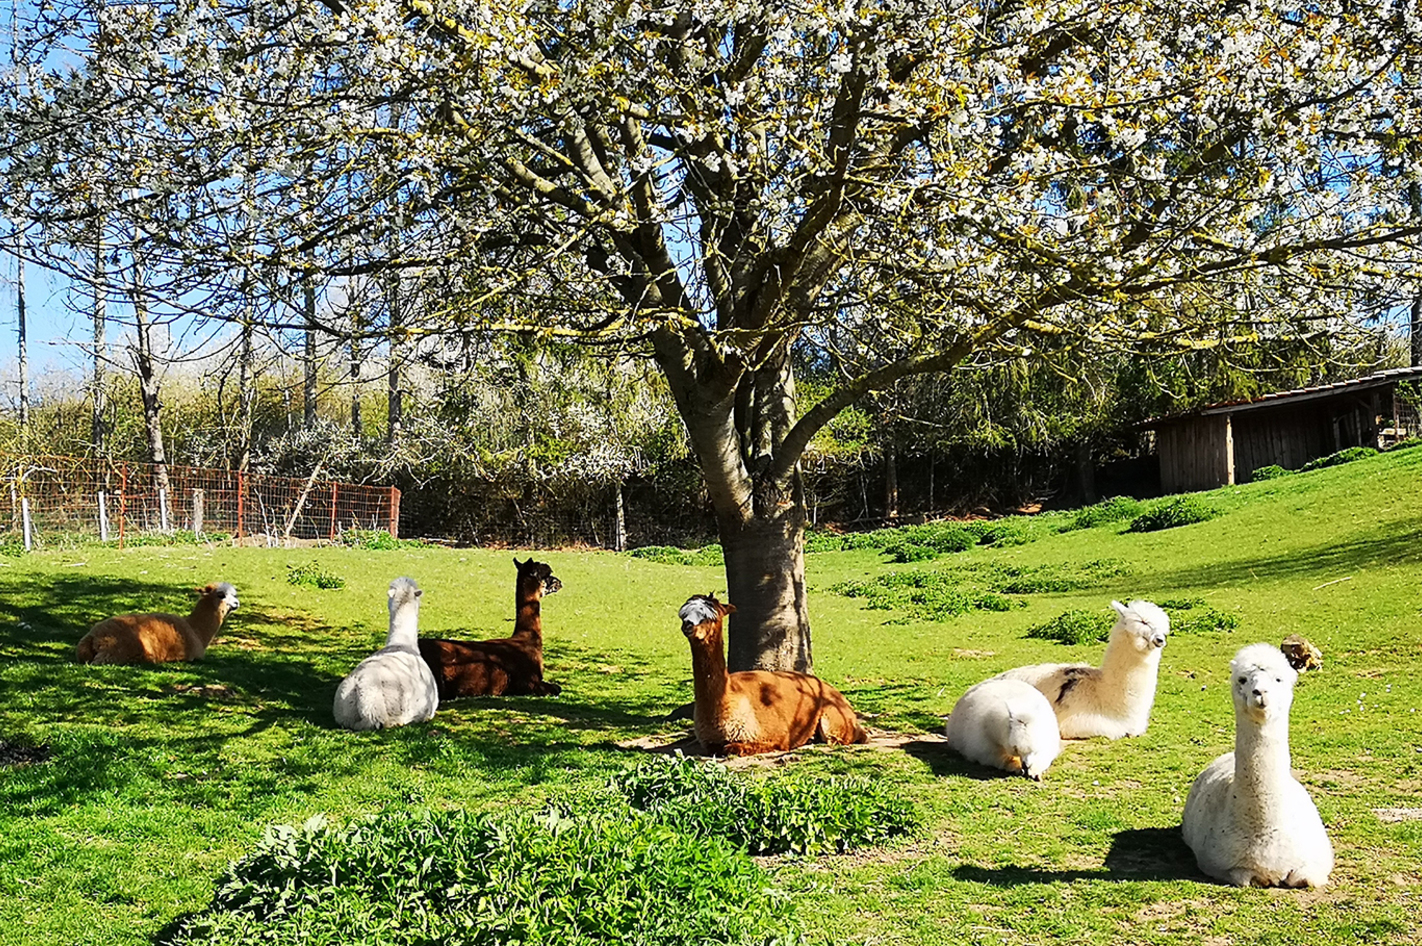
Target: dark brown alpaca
x=511 y=666
x=754 y=711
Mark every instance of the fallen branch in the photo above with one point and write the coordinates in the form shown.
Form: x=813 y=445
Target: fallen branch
x=1333 y=582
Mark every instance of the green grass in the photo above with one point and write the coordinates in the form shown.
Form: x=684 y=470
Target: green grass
x=160 y=779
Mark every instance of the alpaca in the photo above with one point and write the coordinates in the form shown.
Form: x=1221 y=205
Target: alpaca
x=159 y=638
x=391 y=687
x=1112 y=700
x=1007 y=724
x=756 y=711
x=1249 y=822
x=511 y=666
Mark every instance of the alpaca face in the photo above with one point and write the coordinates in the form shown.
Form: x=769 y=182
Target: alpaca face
x=225 y=594
x=402 y=592
x=1145 y=623
x=536 y=578
x=702 y=615
x=1262 y=683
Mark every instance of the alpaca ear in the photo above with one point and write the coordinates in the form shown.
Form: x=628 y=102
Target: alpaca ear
x=728 y=609
x=419 y=591
x=390 y=592
x=1120 y=608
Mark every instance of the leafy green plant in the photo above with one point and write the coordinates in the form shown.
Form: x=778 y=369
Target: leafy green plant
x=1115 y=509
x=710 y=555
x=1075 y=627
x=1271 y=472
x=1347 y=455
x=818 y=540
x=779 y=814
x=406 y=877
x=1172 y=513
x=1047 y=579
x=1201 y=619
x=312 y=575
x=378 y=540
x=930 y=595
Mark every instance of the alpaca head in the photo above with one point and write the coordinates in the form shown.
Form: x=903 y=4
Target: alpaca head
x=536 y=579
x=403 y=591
x=1262 y=683
x=1143 y=624
x=702 y=615
x=223 y=594
x=1023 y=739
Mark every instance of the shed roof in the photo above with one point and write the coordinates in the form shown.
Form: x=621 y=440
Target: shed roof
x=1298 y=395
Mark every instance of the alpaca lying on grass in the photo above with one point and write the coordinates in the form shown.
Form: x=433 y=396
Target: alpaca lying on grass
x=1249 y=822
x=511 y=666
x=1112 y=700
x=1007 y=724
x=159 y=638
x=755 y=711
x=391 y=687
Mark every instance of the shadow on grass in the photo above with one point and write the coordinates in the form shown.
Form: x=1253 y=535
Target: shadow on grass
x=1392 y=544
x=1136 y=854
x=942 y=760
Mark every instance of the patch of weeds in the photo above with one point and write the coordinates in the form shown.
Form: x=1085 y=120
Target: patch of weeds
x=1005 y=532
x=404 y=878
x=1115 y=509
x=1047 y=579
x=818 y=540
x=1075 y=627
x=780 y=814
x=312 y=575
x=710 y=555
x=12 y=548
x=1407 y=444
x=378 y=540
x=903 y=552
x=176 y=537
x=1173 y=513
x=1202 y=619
x=929 y=595
x=1271 y=472
x=1342 y=456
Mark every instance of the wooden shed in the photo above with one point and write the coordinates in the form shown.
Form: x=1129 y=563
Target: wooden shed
x=1222 y=444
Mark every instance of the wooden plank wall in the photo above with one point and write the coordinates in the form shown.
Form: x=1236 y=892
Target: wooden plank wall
x=1193 y=454
x=1293 y=435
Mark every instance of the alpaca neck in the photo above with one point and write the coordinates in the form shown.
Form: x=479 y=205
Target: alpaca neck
x=708 y=672
x=206 y=618
x=528 y=618
x=405 y=626
x=1133 y=673
x=1261 y=764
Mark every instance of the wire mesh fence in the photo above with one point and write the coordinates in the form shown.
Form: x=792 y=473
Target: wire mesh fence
x=51 y=500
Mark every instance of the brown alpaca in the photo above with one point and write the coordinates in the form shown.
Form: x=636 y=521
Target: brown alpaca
x=510 y=666
x=756 y=711
x=159 y=638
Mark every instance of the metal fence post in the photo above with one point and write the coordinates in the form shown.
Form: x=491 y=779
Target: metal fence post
x=333 y=512
x=123 y=501
x=241 y=500
x=103 y=518
x=197 y=511
x=25 y=517
x=394 y=512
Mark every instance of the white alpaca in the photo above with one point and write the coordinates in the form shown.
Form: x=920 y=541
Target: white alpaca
x=1006 y=724
x=1249 y=822
x=1112 y=700
x=393 y=686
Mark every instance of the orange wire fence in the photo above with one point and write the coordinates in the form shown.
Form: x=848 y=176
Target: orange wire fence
x=51 y=499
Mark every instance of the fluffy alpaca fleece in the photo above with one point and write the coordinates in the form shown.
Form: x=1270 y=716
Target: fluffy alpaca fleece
x=1112 y=700
x=1249 y=822
x=511 y=666
x=393 y=686
x=1007 y=724
x=159 y=638
x=755 y=711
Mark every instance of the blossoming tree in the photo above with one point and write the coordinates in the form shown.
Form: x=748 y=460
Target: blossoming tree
x=902 y=184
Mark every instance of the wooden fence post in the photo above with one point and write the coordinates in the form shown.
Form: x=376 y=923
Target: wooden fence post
x=123 y=500
x=333 y=512
x=103 y=518
x=394 y=512
x=197 y=511
x=241 y=500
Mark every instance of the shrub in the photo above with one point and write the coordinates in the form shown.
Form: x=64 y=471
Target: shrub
x=1075 y=627
x=781 y=814
x=930 y=595
x=1271 y=472
x=903 y=552
x=1115 y=509
x=817 y=540
x=1205 y=620
x=1342 y=456
x=1180 y=511
x=1010 y=531
x=1046 y=579
x=451 y=877
x=378 y=540
x=710 y=555
x=312 y=575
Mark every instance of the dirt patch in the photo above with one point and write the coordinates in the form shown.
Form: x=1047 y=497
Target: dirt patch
x=11 y=754
x=211 y=691
x=1397 y=815
x=686 y=744
x=962 y=652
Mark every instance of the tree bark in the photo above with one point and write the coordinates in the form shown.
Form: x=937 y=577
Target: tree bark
x=149 y=385
x=765 y=577
x=22 y=339
x=308 y=385
x=97 y=429
x=395 y=397
x=891 y=482
x=1416 y=331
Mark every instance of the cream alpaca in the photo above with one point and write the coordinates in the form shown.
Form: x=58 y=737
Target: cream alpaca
x=1007 y=724
x=1249 y=822
x=1112 y=700
x=393 y=686
x=159 y=638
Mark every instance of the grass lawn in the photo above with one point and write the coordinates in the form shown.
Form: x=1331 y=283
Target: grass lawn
x=154 y=787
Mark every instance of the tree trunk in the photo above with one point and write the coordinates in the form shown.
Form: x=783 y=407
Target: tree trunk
x=395 y=403
x=1085 y=472
x=891 y=482
x=308 y=386
x=149 y=385
x=246 y=395
x=357 y=429
x=765 y=578
x=1417 y=331
x=21 y=337
x=97 y=431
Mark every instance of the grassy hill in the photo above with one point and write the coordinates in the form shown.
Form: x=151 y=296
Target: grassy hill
x=157 y=778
